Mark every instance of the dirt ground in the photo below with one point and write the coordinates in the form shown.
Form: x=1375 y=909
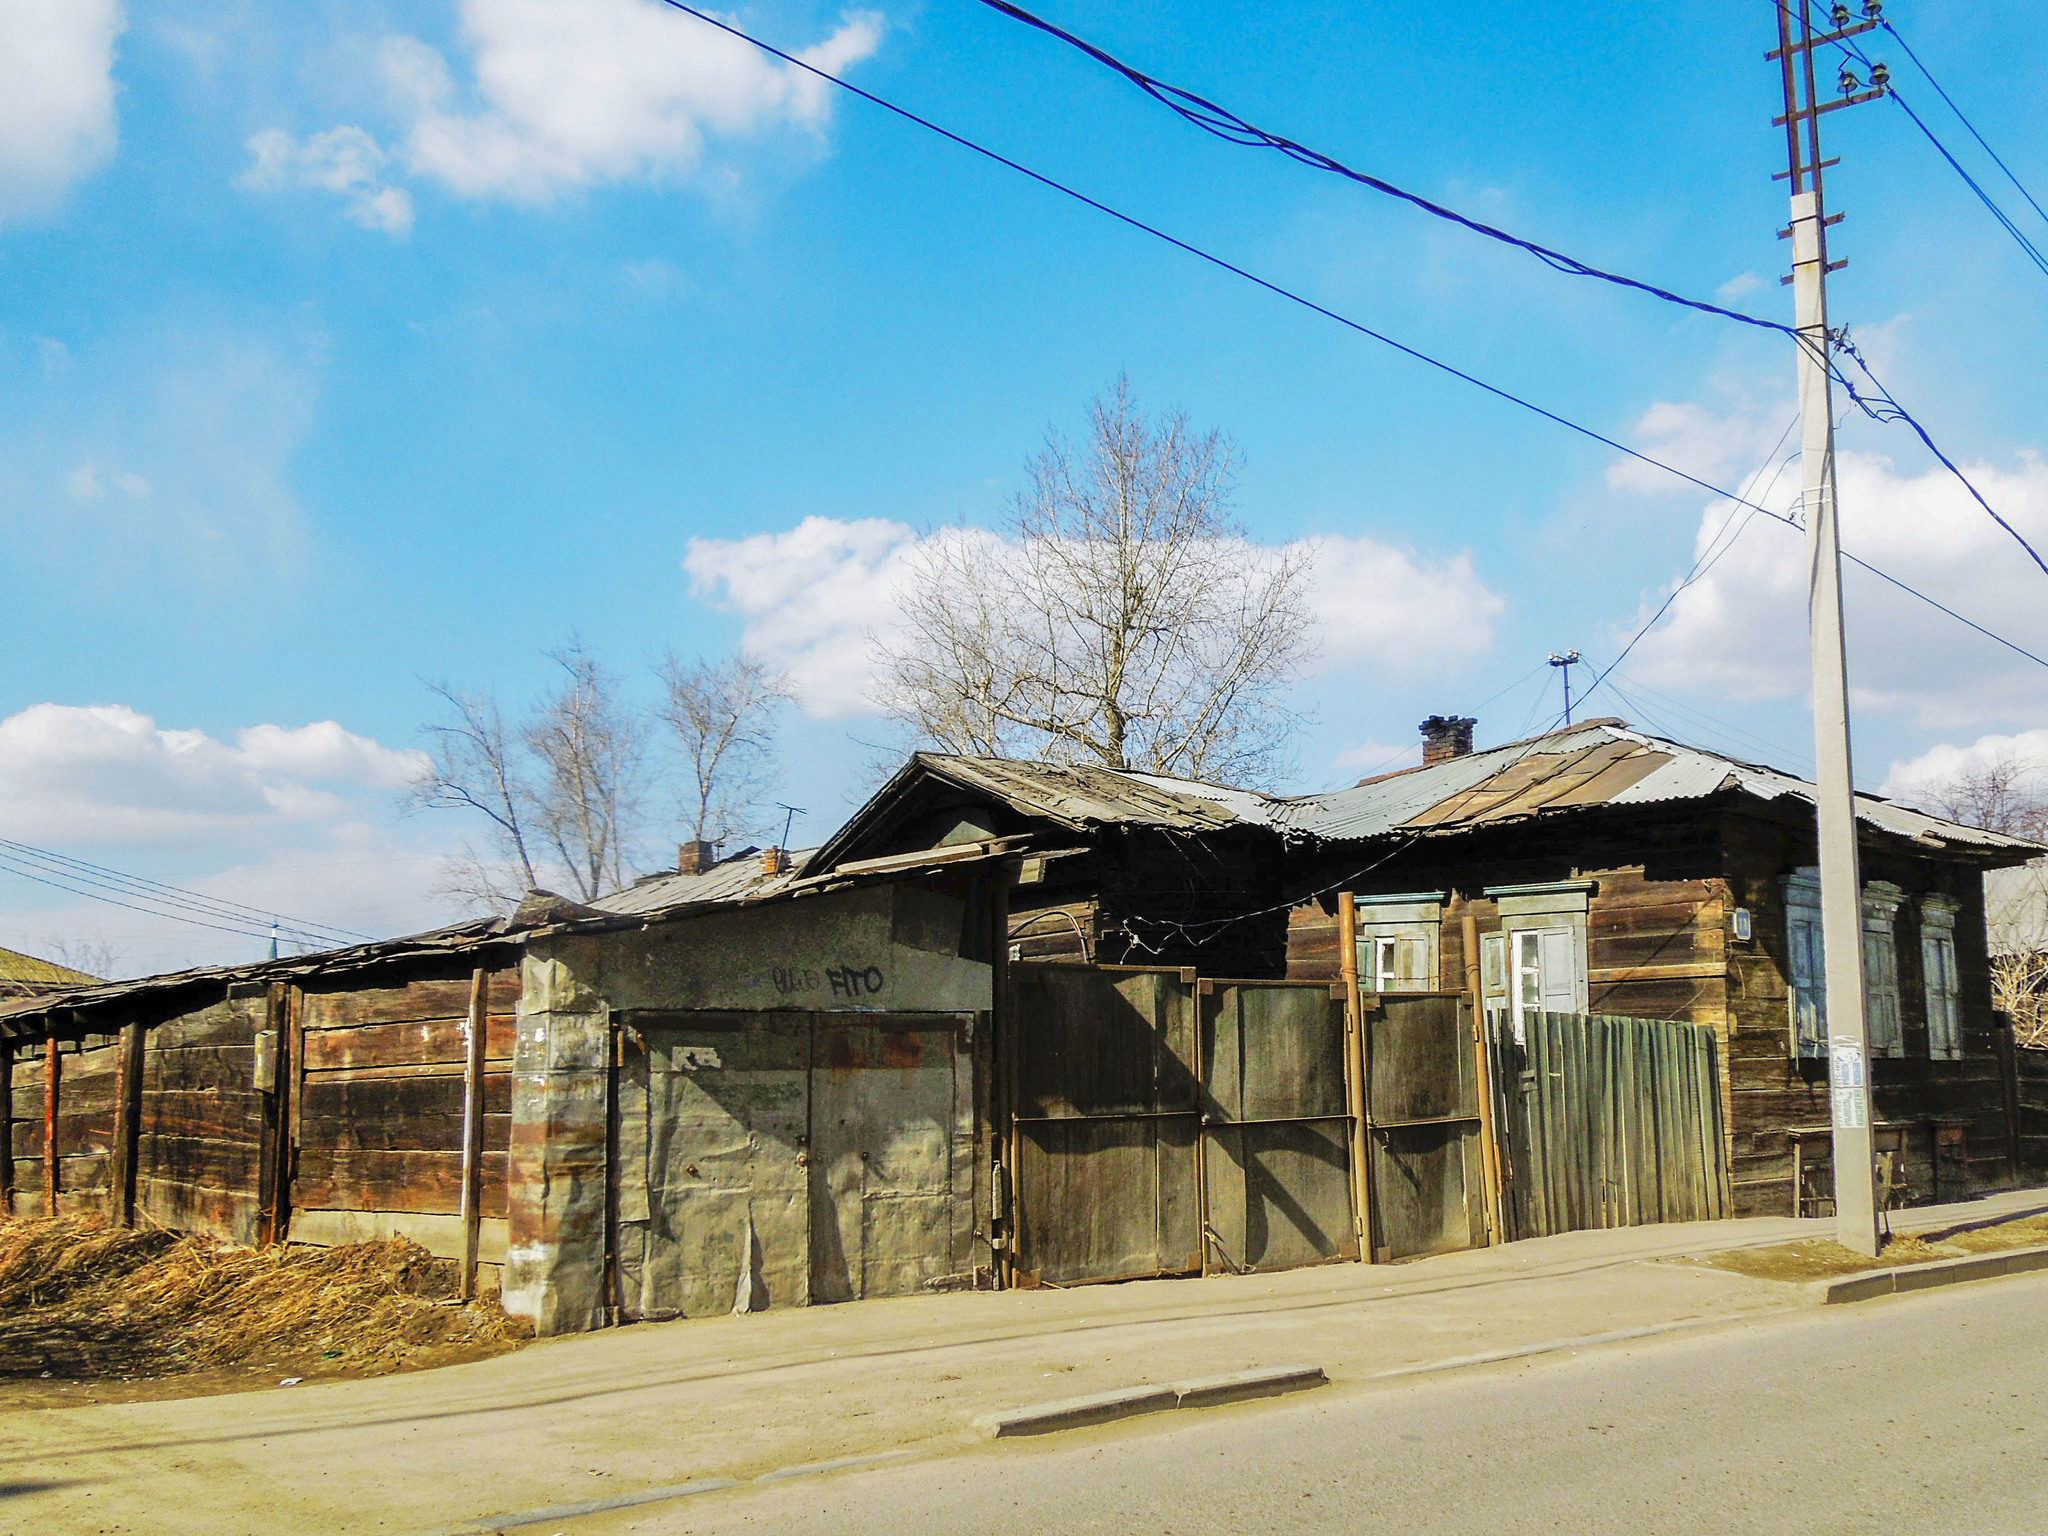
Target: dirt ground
x=95 y=1314
x=1826 y=1259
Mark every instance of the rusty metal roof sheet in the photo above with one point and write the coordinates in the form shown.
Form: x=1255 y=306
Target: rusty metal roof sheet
x=1080 y=795
x=731 y=879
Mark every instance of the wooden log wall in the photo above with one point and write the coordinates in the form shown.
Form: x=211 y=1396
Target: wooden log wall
x=1774 y=1092
x=85 y=1125
x=379 y=1109
x=2031 y=1070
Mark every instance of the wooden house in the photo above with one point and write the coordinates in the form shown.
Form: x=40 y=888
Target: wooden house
x=1596 y=869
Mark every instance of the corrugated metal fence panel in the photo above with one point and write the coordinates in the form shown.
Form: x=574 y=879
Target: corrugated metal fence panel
x=1609 y=1122
x=1276 y=1137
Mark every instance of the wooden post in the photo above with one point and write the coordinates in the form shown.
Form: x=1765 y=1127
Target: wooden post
x=284 y=1097
x=477 y=1030
x=1489 y=1147
x=127 y=1122
x=7 y=1126
x=1355 y=1087
x=52 y=1070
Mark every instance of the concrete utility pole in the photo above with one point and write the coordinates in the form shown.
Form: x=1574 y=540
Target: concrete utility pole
x=1841 y=883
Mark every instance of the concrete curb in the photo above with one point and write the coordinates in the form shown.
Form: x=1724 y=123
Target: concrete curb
x=1924 y=1277
x=1130 y=1402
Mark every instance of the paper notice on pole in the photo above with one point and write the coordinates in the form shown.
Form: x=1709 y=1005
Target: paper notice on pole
x=1852 y=1109
x=1845 y=1065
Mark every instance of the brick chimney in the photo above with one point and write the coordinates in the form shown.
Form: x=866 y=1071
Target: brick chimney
x=1445 y=737
x=694 y=858
x=774 y=860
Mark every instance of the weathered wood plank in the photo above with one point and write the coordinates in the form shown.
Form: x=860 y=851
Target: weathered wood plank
x=408 y=1044
x=394 y=1181
x=350 y=1004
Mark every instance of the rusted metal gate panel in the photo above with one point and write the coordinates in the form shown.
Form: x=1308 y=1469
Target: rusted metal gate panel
x=709 y=1174
x=1609 y=1122
x=1422 y=1119
x=1105 y=1120
x=772 y=1159
x=891 y=1149
x=1276 y=1126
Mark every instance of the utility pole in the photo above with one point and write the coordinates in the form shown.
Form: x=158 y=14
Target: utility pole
x=1567 y=661
x=1841 y=883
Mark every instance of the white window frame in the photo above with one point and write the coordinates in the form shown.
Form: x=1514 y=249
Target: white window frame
x=1558 y=908
x=1940 y=977
x=1386 y=924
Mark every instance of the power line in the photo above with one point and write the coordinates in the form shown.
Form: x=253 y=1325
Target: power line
x=1295 y=298
x=1899 y=38
x=1219 y=121
x=166 y=900
x=145 y=911
x=1225 y=124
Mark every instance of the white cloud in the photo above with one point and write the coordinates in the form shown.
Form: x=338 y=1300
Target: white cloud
x=1717 y=446
x=1914 y=779
x=559 y=98
x=1372 y=758
x=1382 y=604
x=102 y=774
x=1736 y=287
x=812 y=596
x=1740 y=631
x=57 y=120
x=84 y=483
x=344 y=160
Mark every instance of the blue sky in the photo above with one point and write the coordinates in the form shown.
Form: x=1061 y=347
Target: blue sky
x=343 y=345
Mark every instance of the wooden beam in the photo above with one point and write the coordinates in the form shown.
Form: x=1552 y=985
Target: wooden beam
x=127 y=1121
x=285 y=1006
x=476 y=1028
x=1354 y=1076
x=1489 y=1147
x=51 y=1071
x=7 y=1126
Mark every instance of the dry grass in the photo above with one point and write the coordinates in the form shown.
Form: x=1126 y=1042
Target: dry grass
x=1824 y=1258
x=83 y=1301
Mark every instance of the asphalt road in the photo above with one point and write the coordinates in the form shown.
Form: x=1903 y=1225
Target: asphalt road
x=1916 y=1414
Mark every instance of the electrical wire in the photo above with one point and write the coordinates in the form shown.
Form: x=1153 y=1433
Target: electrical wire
x=1296 y=298
x=145 y=911
x=1225 y=124
x=1899 y=38
x=164 y=900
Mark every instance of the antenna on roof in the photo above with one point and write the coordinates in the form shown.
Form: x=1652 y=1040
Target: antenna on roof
x=1566 y=661
x=788 y=821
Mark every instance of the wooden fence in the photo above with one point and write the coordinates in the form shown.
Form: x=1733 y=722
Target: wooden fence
x=1608 y=1122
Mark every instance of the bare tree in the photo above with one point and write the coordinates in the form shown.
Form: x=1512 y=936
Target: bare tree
x=722 y=714
x=589 y=753
x=477 y=766
x=1124 y=619
x=2010 y=794
x=97 y=958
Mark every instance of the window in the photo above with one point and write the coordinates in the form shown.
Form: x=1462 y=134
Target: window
x=1881 y=1013
x=1806 y=961
x=1806 y=984
x=1398 y=941
x=1938 y=967
x=1537 y=962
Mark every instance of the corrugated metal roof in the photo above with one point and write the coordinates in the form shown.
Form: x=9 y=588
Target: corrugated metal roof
x=1079 y=795
x=733 y=879
x=1600 y=762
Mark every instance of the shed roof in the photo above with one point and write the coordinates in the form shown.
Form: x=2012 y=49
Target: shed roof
x=22 y=975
